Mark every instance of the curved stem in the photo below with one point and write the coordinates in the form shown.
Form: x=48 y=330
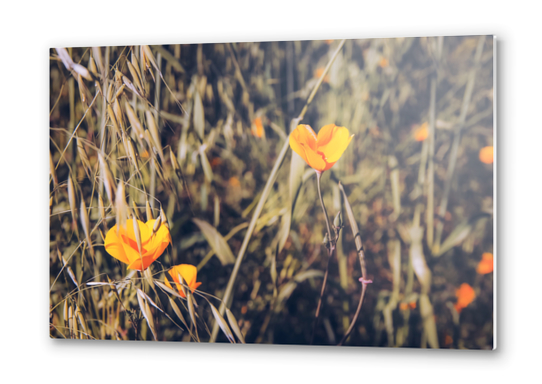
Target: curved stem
x=361 y=254
x=330 y=250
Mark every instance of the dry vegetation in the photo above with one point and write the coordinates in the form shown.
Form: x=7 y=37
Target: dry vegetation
x=197 y=135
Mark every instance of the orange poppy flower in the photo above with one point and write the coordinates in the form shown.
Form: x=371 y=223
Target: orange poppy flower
x=383 y=63
x=486 y=264
x=422 y=132
x=121 y=243
x=486 y=155
x=322 y=151
x=465 y=295
x=189 y=274
x=257 y=127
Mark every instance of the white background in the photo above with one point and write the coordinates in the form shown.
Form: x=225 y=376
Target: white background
x=29 y=30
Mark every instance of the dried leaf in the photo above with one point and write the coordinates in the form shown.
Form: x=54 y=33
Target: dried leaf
x=216 y=241
x=222 y=323
x=233 y=322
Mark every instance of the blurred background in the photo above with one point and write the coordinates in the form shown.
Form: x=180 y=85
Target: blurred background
x=418 y=175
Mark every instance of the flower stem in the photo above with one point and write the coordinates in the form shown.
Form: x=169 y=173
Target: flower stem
x=318 y=178
x=330 y=250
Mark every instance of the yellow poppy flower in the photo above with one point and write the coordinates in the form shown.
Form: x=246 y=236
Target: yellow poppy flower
x=189 y=274
x=121 y=243
x=322 y=151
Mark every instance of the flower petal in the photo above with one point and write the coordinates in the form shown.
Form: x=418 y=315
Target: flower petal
x=305 y=135
x=139 y=262
x=314 y=159
x=337 y=145
x=325 y=134
x=329 y=165
x=189 y=273
x=297 y=147
x=143 y=230
x=113 y=245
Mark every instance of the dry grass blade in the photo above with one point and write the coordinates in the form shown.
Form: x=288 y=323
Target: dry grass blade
x=165 y=288
x=207 y=170
x=222 y=323
x=135 y=77
x=199 y=116
x=52 y=170
x=120 y=206
x=170 y=58
x=85 y=222
x=297 y=168
x=145 y=309
x=216 y=241
x=84 y=157
x=65 y=57
x=71 y=200
x=177 y=312
x=134 y=121
x=148 y=210
x=81 y=321
x=428 y=318
x=101 y=209
x=233 y=322
x=153 y=129
x=191 y=310
x=113 y=119
x=107 y=178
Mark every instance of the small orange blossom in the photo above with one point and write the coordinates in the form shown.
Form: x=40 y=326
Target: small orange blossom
x=486 y=264
x=486 y=155
x=189 y=274
x=422 y=132
x=257 y=127
x=404 y=306
x=465 y=295
x=322 y=151
x=121 y=243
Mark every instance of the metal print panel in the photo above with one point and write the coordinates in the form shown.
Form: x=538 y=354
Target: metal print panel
x=335 y=192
